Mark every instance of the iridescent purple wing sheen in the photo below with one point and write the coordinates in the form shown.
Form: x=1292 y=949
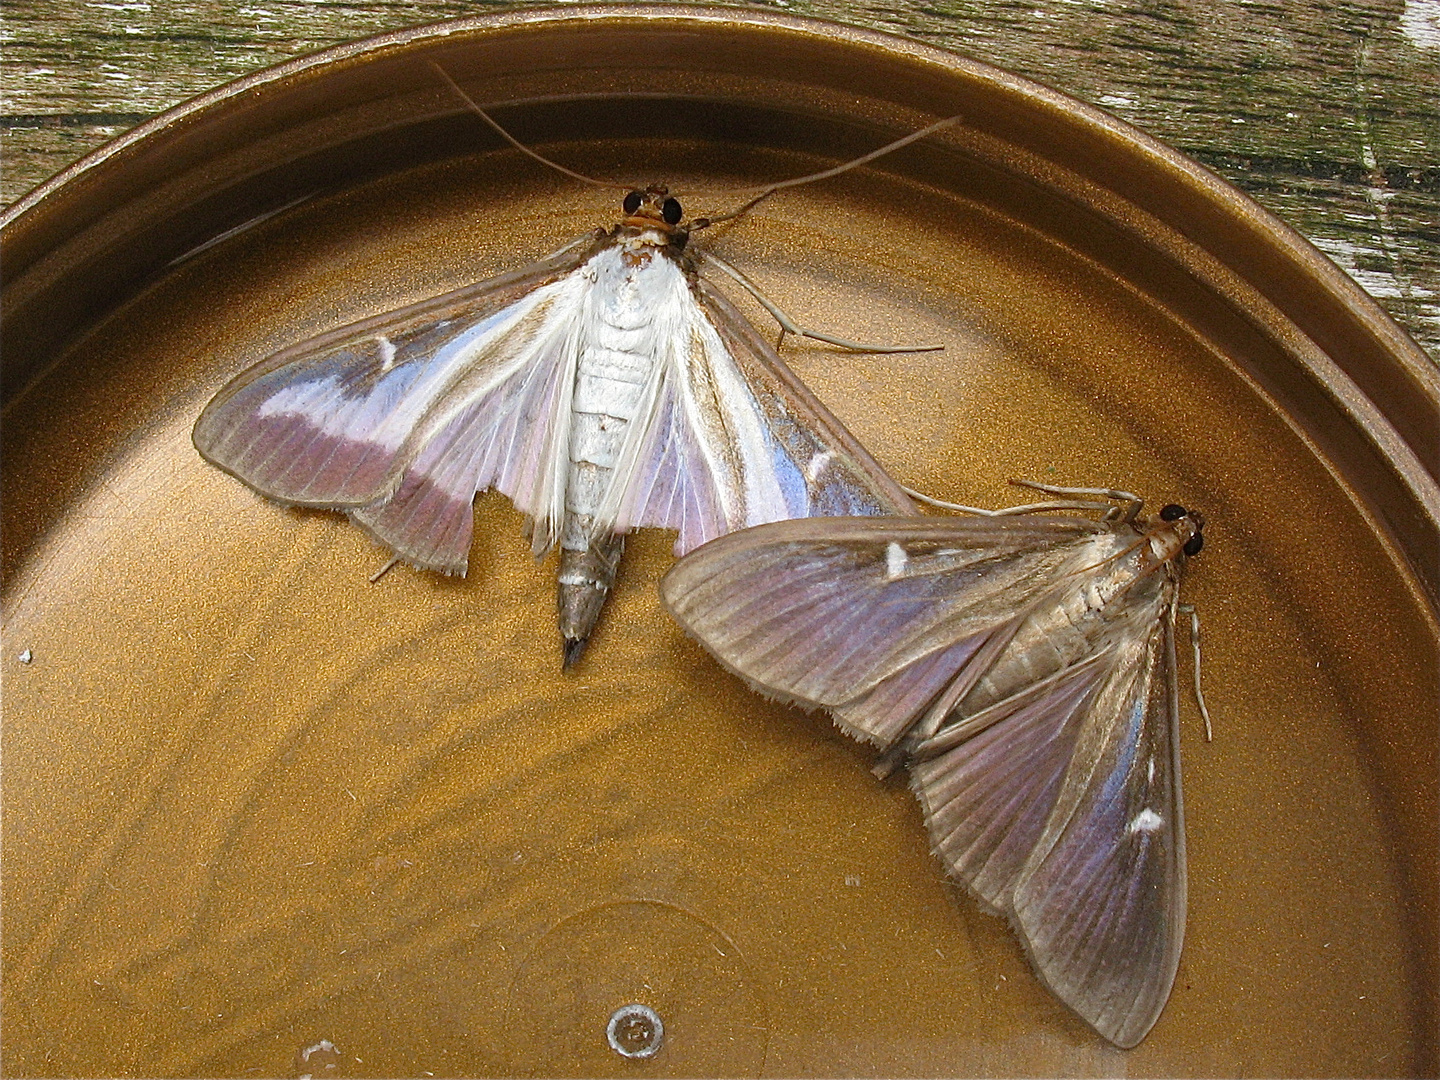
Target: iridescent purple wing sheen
x=1065 y=814
x=736 y=440
x=873 y=619
x=399 y=419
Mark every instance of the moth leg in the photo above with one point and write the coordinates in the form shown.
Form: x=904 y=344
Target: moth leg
x=589 y=238
x=790 y=326
x=586 y=576
x=1189 y=609
x=1029 y=508
x=378 y=574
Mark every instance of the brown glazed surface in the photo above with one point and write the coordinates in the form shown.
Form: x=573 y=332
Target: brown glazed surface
x=253 y=802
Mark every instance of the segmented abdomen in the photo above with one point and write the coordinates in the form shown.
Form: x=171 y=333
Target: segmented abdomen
x=1078 y=620
x=619 y=355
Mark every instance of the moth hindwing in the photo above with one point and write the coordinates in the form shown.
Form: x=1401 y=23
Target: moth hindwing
x=603 y=389
x=1024 y=668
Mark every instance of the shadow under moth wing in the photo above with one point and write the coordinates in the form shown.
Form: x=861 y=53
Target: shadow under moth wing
x=602 y=389
x=1025 y=668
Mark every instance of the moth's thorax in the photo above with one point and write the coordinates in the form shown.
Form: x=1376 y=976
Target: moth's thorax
x=641 y=242
x=634 y=285
x=1166 y=540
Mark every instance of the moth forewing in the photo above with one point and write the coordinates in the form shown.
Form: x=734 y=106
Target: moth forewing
x=323 y=423
x=869 y=619
x=1027 y=666
x=1099 y=898
x=837 y=470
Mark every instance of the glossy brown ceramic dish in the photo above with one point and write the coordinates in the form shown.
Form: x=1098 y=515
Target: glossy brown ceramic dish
x=262 y=816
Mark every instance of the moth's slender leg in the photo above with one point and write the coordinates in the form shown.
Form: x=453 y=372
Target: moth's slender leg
x=1029 y=508
x=384 y=569
x=1189 y=609
x=790 y=326
x=1131 y=511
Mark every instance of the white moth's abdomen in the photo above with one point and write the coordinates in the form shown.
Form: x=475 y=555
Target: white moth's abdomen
x=609 y=388
x=621 y=348
x=626 y=323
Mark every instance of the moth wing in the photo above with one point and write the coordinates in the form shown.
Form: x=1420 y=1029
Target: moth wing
x=734 y=439
x=870 y=618
x=1065 y=814
x=399 y=419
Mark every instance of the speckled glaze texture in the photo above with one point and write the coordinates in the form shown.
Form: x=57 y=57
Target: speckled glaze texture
x=253 y=802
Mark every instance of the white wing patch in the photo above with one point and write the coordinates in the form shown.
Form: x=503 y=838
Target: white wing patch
x=895 y=561
x=388 y=417
x=1147 y=821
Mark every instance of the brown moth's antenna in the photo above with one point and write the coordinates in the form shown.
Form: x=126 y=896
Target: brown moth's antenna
x=517 y=144
x=825 y=174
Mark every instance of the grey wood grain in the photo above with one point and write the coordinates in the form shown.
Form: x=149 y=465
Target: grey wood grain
x=1325 y=111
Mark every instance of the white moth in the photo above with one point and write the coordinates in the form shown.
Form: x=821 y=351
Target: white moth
x=1024 y=668
x=603 y=389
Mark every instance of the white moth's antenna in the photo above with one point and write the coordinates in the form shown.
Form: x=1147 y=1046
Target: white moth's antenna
x=699 y=223
x=825 y=174
x=517 y=143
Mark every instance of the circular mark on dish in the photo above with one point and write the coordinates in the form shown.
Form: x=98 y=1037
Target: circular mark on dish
x=618 y=968
x=635 y=1031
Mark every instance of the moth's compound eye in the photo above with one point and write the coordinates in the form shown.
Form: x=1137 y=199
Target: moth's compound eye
x=1172 y=512
x=671 y=212
x=1194 y=544
x=632 y=201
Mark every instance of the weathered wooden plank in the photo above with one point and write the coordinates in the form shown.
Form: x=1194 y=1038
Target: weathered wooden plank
x=1327 y=113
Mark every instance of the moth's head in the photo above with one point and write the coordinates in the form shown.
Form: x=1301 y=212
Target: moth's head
x=1186 y=526
x=655 y=208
